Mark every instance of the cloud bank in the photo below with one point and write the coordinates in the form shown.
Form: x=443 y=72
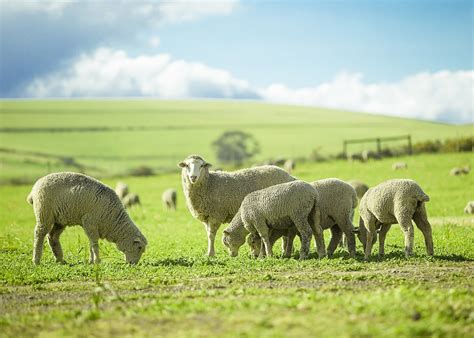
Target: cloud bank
x=441 y=96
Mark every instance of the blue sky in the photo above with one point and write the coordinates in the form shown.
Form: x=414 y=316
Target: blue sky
x=405 y=58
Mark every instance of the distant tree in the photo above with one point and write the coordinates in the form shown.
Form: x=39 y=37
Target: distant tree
x=235 y=147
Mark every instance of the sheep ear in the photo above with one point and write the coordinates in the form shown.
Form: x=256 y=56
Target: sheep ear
x=356 y=230
x=182 y=164
x=207 y=165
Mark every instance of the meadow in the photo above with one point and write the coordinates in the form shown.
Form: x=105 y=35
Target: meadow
x=111 y=137
x=176 y=291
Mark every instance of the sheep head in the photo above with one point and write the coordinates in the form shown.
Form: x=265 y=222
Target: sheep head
x=194 y=167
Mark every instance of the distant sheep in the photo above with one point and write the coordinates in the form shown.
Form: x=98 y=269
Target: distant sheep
x=469 y=209
x=369 y=154
x=169 y=199
x=130 y=200
x=215 y=197
x=399 y=166
x=64 y=199
x=355 y=157
x=289 y=165
x=360 y=188
x=394 y=201
x=121 y=189
x=457 y=171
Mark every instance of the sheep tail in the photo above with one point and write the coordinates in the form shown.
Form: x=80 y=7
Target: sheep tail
x=423 y=198
x=29 y=199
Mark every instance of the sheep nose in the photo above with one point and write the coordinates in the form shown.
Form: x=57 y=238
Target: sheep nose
x=193 y=178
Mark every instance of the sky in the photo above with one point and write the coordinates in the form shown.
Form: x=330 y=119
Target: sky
x=404 y=58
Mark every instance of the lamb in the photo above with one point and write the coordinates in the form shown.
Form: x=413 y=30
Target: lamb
x=130 y=200
x=294 y=202
x=65 y=199
x=169 y=199
x=289 y=165
x=399 y=166
x=456 y=171
x=469 y=209
x=215 y=197
x=360 y=188
x=337 y=203
x=121 y=189
x=394 y=201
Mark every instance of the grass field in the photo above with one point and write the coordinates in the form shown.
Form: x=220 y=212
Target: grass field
x=110 y=137
x=175 y=291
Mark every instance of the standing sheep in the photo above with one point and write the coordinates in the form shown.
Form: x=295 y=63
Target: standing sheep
x=469 y=209
x=394 y=201
x=296 y=202
x=214 y=197
x=65 y=199
x=121 y=189
x=337 y=203
x=399 y=166
x=130 y=200
x=169 y=199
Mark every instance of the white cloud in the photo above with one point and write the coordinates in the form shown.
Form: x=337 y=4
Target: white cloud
x=154 y=42
x=441 y=96
x=182 y=10
x=113 y=73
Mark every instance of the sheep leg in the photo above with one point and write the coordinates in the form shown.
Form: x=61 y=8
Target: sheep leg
x=348 y=230
x=263 y=232
x=422 y=223
x=93 y=234
x=371 y=232
x=318 y=233
x=305 y=234
x=55 y=245
x=336 y=235
x=409 y=233
x=211 y=236
x=382 y=234
x=40 y=233
x=288 y=251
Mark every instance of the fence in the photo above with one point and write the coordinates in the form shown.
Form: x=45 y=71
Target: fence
x=378 y=141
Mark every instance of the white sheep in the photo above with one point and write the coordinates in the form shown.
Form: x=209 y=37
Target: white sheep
x=394 y=201
x=121 y=189
x=399 y=166
x=214 y=197
x=65 y=199
x=457 y=171
x=289 y=165
x=294 y=202
x=338 y=200
x=469 y=209
x=360 y=188
x=130 y=200
x=169 y=199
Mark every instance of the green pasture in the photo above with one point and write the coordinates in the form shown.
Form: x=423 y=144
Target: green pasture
x=110 y=137
x=176 y=291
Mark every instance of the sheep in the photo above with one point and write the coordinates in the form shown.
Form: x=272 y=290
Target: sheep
x=169 y=199
x=289 y=165
x=64 y=199
x=399 y=166
x=130 y=200
x=295 y=202
x=121 y=189
x=369 y=154
x=469 y=209
x=457 y=171
x=355 y=157
x=394 y=201
x=360 y=188
x=214 y=197
x=338 y=200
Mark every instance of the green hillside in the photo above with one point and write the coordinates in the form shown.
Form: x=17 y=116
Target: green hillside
x=111 y=136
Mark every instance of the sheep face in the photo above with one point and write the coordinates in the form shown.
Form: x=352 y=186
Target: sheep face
x=194 y=168
x=254 y=243
x=134 y=252
x=232 y=243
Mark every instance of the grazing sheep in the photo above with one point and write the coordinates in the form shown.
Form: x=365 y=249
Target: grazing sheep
x=360 y=188
x=289 y=165
x=65 y=199
x=457 y=171
x=294 y=202
x=214 y=197
x=130 y=200
x=338 y=200
x=394 y=201
x=355 y=157
x=469 y=209
x=399 y=166
x=369 y=154
x=121 y=189
x=169 y=199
